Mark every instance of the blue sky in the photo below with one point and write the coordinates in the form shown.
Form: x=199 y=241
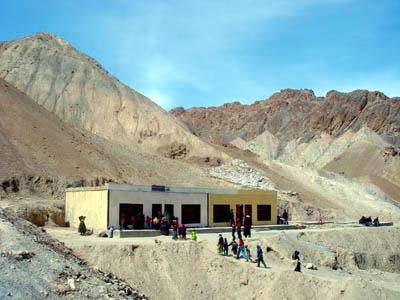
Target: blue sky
x=202 y=53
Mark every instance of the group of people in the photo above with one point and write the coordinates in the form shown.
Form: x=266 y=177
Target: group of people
x=237 y=226
x=138 y=221
x=242 y=250
x=283 y=218
x=369 y=222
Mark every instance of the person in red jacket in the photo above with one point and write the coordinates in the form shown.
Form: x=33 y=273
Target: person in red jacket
x=241 y=248
x=239 y=228
x=175 y=226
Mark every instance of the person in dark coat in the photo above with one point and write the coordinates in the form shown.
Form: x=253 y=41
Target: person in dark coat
x=233 y=230
x=226 y=247
x=285 y=217
x=296 y=257
x=260 y=257
x=247 y=226
x=82 y=226
x=231 y=217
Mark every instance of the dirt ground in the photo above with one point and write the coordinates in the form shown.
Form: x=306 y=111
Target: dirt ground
x=350 y=264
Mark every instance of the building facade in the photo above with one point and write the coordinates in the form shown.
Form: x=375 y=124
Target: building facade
x=195 y=207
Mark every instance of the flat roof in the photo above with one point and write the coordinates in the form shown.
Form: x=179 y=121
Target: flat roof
x=170 y=189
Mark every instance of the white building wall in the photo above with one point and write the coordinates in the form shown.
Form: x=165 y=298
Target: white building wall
x=149 y=198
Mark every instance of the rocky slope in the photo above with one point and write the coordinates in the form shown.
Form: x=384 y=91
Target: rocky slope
x=353 y=134
x=35 y=266
x=292 y=114
x=79 y=91
x=41 y=151
x=186 y=269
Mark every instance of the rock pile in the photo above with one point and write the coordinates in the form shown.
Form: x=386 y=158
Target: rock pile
x=239 y=172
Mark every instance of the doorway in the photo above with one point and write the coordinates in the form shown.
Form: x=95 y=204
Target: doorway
x=248 y=210
x=239 y=213
x=156 y=209
x=169 y=210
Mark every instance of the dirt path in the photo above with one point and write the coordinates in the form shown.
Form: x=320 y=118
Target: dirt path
x=183 y=269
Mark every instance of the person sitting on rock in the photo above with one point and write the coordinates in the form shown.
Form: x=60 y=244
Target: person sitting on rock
x=82 y=226
x=362 y=220
x=376 y=222
x=368 y=221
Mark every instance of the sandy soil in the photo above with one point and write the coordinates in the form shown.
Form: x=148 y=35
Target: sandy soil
x=350 y=264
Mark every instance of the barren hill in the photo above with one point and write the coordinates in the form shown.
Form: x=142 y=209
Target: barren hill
x=38 y=147
x=79 y=91
x=355 y=135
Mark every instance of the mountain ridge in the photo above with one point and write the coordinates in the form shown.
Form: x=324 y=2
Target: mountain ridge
x=80 y=91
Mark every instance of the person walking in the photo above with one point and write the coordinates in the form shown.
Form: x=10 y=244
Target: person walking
x=234 y=246
x=233 y=230
x=296 y=257
x=241 y=248
x=260 y=257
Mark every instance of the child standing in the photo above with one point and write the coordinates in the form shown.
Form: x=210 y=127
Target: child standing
x=226 y=247
x=194 y=235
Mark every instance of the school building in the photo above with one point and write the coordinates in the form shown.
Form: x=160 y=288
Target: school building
x=195 y=207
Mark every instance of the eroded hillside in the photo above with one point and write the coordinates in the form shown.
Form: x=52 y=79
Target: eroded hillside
x=79 y=91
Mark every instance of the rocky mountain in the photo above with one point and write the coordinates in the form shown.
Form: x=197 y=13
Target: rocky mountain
x=82 y=93
x=353 y=135
x=291 y=114
x=39 y=150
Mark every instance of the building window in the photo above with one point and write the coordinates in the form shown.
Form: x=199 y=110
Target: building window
x=190 y=213
x=263 y=212
x=221 y=213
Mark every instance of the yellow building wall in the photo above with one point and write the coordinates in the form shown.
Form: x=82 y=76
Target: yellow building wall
x=252 y=197
x=91 y=204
